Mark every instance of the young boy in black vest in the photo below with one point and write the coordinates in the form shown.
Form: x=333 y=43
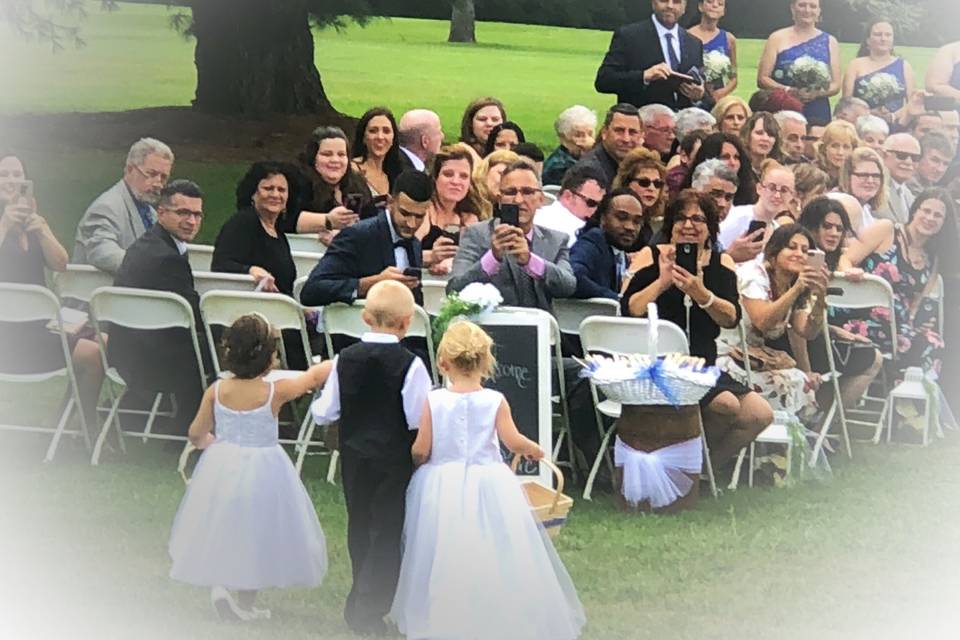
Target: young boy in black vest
x=377 y=390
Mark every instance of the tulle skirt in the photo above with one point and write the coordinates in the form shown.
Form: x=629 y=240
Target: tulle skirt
x=246 y=522
x=476 y=564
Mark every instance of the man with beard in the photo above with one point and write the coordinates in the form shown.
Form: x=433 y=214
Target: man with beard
x=126 y=210
x=599 y=256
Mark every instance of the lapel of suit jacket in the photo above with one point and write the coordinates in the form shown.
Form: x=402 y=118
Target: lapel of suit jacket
x=133 y=214
x=385 y=240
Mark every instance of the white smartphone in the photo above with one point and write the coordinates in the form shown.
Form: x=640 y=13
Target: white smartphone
x=816 y=258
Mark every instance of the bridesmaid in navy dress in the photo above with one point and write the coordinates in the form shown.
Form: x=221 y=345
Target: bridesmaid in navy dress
x=943 y=74
x=876 y=56
x=716 y=39
x=786 y=45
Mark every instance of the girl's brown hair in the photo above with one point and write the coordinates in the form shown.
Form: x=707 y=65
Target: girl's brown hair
x=249 y=346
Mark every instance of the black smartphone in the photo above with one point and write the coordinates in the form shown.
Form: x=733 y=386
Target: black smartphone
x=939 y=103
x=755 y=225
x=26 y=189
x=352 y=201
x=686 y=258
x=413 y=272
x=510 y=214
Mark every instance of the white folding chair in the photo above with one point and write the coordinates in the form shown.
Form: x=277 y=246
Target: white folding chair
x=305 y=261
x=222 y=308
x=552 y=189
x=622 y=336
x=571 y=312
x=200 y=256
x=306 y=242
x=434 y=293
x=79 y=281
x=204 y=281
x=143 y=310
x=836 y=405
x=32 y=303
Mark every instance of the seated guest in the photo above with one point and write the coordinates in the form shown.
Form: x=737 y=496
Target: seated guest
x=660 y=129
x=163 y=361
x=123 y=212
x=936 y=154
x=694 y=119
x=377 y=145
x=783 y=300
x=760 y=136
x=850 y=109
x=717 y=181
x=728 y=148
x=333 y=194
x=505 y=136
x=622 y=132
x=643 y=173
x=375 y=249
x=909 y=257
x=864 y=177
x=486 y=175
x=809 y=182
x=479 y=119
x=924 y=122
x=873 y=132
x=716 y=39
x=531 y=154
x=679 y=164
x=793 y=127
x=580 y=194
x=599 y=256
x=811 y=141
x=730 y=113
x=775 y=189
x=901 y=152
x=456 y=203
x=857 y=360
x=838 y=142
x=733 y=415
x=575 y=127
x=421 y=135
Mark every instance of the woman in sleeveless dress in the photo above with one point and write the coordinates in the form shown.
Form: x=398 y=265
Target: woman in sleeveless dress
x=875 y=58
x=943 y=74
x=803 y=39
x=716 y=39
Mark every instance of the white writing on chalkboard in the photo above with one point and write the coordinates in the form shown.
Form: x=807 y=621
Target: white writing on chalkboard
x=518 y=373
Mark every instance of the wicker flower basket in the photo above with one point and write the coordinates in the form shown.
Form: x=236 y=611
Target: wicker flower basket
x=549 y=506
x=646 y=392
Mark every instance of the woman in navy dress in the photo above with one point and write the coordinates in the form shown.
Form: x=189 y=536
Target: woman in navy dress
x=785 y=46
x=876 y=57
x=716 y=39
x=943 y=74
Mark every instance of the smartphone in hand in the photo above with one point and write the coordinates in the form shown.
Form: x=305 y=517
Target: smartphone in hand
x=755 y=225
x=413 y=272
x=687 y=256
x=816 y=259
x=510 y=214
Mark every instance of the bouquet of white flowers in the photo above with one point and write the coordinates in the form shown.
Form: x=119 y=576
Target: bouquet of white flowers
x=807 y=73
x=880 y=89
x=474 y=300
x=717 y=67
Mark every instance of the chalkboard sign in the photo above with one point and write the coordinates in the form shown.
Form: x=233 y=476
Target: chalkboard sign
x=522 y=349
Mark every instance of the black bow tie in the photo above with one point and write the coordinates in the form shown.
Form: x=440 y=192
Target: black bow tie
x=403 y=243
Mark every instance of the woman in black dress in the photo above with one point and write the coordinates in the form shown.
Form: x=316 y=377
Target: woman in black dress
x=733 y=415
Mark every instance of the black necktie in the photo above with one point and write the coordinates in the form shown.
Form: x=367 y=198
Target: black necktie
x=407 y=245
x=674 y=61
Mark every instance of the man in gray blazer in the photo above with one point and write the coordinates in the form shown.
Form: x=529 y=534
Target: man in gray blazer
x=125 y=211
x=901 y=153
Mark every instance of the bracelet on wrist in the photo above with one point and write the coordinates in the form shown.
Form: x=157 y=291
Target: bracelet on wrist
x=709 y=303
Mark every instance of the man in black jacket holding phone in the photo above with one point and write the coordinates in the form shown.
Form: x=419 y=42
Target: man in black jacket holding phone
x=647 y=59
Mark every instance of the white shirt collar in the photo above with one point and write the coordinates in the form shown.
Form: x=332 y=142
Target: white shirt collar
x=418 y=164
x=181 y=246
x=394 y=236
x=379 y=338
x=661 y=30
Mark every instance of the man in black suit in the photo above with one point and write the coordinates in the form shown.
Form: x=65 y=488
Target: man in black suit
x=164 y=360
x=643 y=55
x=622 y=132
x=599 y=257
x=375 y=249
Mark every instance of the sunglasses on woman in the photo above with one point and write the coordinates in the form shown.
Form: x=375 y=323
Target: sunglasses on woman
x=646 y=183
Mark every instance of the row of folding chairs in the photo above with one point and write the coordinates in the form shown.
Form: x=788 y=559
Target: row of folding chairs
x=305 y=255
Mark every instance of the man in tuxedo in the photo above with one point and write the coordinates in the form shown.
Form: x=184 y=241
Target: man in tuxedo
x=643 y=55
x=901 y=152
x=164 y=360
x=375 y=249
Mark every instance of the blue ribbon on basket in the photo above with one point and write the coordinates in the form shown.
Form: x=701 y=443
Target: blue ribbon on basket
x=655 y=374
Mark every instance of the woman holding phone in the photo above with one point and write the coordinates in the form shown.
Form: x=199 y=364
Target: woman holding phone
x=332 y=194
x=689 y=267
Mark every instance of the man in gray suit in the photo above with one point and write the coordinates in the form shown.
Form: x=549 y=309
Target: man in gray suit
x=122 y=213
x=901 y=153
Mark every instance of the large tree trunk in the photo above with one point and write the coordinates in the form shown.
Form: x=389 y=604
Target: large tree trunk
x=255 y=58
x=462 y=22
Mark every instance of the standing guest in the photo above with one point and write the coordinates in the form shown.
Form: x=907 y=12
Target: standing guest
x=377 y=146
x=580 y=195
x=714 y=38
x=734 y=415
x=622 y=132
x=873 y=131
x=599 y=256
x=785 y=46
x=811 y=141
x=479 y=119
x=775 y=189
x=875 y=57
x=761 y=138
x=468 y=520
x=486 y=175
x=505 y=136
x=455 y=204
x=334 y=195
x=163 y=361
x=793 y=127
x=123 y=212
x=838 y=142
x=420 y=134
x=242 y=474
x=660 y=129
x=679 y=165
x=864 y=177
x=728 y=148
x=901 y=153
x=943 y=74
x=850 y=109
x=375 y=441
x=645 y=175
x=644 y=58
x=936 y=154
x=375 y=249
x=530 y=153
x=809 y=182
x=575 y=127
x=731 y=112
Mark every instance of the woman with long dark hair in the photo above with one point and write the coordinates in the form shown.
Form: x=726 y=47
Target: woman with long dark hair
x=479 y=119
x=377 y=148
x=332 y=194
x=727 y=147
x=504 y=136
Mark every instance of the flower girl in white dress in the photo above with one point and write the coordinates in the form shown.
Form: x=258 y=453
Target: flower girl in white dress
x=476 y=564
x=246 y=521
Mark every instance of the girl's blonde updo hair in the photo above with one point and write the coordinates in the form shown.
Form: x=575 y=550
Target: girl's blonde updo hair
x=468 y=349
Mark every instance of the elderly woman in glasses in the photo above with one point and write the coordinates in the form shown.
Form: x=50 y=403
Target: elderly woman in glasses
x=733 y=415
x=575 y=128
x=642 y=172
